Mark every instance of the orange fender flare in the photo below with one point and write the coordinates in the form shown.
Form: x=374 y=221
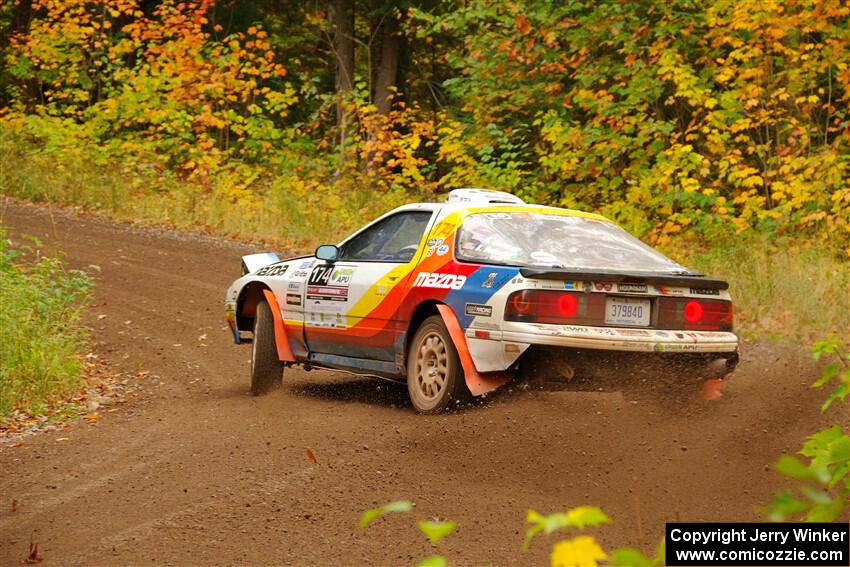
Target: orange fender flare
x=281 y=341
x=477 y=382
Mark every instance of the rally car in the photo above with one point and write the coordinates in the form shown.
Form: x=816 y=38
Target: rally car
x=452 y=297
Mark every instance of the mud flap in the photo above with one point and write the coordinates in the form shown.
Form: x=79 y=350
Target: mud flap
x=477 y=382
x=281 y=341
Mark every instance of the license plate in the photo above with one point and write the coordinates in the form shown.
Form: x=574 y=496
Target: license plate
x=627 y=311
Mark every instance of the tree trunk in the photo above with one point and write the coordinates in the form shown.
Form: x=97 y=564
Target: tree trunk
x=387 y=75
x=343 y=19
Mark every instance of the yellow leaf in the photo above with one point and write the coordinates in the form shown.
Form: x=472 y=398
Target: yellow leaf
x=582 y=551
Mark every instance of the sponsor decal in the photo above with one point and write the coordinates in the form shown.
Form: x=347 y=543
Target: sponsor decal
x=576 y=286
x=478 y=310
x=294 y=286
x=320 y=275
x=576 y=330
x=633 y=333
x=491 y=277
x=607 y=332
x=666 y=347
x=429 y=253
x=440 y=281
x=306 y=265
x=341 y=276
x=631 y=287
x=548 y=330
x=705 y=291
x=300 y=274
x=442 y=249
x=272 y=270
x=603 y=286
x=431 y=242
x=293 y=299
x=329 y=283
x=664 y=290
x=323 y=314
x=327 y=293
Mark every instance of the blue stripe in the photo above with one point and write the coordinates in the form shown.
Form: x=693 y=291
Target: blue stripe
x=473 y=291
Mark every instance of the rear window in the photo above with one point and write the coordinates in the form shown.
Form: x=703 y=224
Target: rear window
x=541 y=240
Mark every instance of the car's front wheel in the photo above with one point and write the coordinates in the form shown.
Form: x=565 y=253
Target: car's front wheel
x=266 y=367
x=434 y=374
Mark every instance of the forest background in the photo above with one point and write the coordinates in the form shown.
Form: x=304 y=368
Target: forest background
x=717 y=130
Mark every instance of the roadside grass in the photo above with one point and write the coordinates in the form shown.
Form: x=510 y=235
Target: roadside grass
x=782 y=289
x=42 y=339
x=303 y=205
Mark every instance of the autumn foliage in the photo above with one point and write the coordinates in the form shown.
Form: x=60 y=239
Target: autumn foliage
x=682 y=116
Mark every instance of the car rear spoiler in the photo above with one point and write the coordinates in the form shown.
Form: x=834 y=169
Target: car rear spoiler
x=694 y=280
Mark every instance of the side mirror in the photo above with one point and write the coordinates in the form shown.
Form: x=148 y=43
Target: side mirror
x=327 y=252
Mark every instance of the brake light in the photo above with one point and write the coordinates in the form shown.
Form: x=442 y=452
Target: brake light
x=556 y=307
x=567 y=305
x=695 y=314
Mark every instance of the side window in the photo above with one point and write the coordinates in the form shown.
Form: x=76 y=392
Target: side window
x=394 y=239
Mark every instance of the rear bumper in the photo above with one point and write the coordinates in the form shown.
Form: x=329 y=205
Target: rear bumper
x=620 y=339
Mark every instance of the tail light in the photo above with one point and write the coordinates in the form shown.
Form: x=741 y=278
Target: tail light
x=695 y=314
x=556 y=307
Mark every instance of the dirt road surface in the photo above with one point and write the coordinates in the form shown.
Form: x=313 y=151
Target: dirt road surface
x=196 y=472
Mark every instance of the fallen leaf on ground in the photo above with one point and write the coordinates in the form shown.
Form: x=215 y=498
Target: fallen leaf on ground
x=92 y=417
x=14 y=505
x=33 y=556
x=312 y=456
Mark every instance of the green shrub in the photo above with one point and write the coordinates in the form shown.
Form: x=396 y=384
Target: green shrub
x=42 y=336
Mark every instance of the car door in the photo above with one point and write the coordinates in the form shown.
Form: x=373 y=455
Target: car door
x=351 y=305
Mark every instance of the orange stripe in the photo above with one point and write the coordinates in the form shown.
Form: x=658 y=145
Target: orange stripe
x=284 y=353
x=476 y=382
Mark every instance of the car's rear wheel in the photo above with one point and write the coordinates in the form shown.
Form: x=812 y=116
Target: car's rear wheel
x=266 y=367
x=434 y=375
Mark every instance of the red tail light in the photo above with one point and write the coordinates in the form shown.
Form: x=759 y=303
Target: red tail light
x=556 y=307
x=695 y=314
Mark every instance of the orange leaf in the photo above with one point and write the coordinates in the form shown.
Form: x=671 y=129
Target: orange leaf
x=33 y=556
x=312 y=456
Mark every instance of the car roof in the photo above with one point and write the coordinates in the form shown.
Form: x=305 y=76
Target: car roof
x=448 y=208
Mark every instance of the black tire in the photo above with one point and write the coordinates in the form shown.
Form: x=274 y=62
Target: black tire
x=266 y=367
x=435 y=377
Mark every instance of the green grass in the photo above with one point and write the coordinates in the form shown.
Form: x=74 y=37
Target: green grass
x=42 y=338
x=299 y=207
x=781 y=288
